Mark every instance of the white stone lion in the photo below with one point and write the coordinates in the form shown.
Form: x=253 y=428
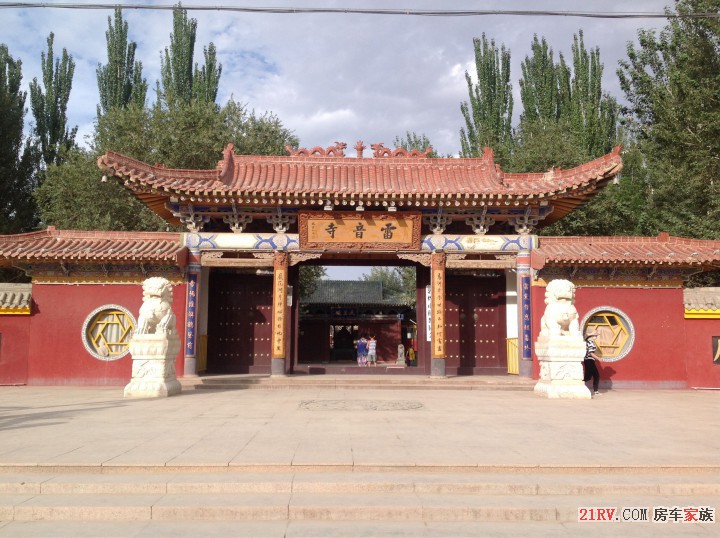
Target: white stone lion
x=156 y=315
x=560 y=317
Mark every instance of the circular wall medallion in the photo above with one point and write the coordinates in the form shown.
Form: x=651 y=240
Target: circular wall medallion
x=616 y=332
x=107 y=331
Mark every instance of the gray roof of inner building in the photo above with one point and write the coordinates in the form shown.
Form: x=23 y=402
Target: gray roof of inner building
x=15 y=296
x=351 y=292
x=701 y=298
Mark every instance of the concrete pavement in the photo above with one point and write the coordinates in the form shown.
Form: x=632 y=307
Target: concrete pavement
x=337 y=461
x=358 y=428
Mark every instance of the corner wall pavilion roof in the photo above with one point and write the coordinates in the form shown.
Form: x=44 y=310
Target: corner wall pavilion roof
x=53 y=245
x=398 y=177
x=664 y=250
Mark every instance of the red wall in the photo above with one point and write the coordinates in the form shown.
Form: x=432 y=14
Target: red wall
x=14 y=346
x=698 y=352
x=658 y=356
x=56 y=352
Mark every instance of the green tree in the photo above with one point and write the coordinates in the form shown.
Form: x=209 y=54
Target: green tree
x=539 y=85
x=181 y=79
x=567 y=120
x=75 y=197
x=398 y=282
x=488 y=113
x=120 y=81
x=49 y=107
x=413 y=141
x=206 y=79
x=309 y=277
x=671 y=82
x=591 y=114
x=17 y=160
x=151 y=135
x=256 y=134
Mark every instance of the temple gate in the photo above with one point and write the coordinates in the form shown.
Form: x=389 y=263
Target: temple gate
x=454 y=219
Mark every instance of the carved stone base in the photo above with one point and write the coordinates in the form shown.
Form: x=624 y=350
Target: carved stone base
x=561 y=369
x=153 y=369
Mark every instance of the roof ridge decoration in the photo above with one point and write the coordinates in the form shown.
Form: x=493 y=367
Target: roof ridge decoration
x=379 y=150
x=338 y=150
x=227 y=165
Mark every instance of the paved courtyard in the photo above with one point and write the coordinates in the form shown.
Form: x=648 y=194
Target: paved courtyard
x=358 y=427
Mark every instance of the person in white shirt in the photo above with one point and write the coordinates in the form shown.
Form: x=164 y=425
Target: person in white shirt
x=372 y=351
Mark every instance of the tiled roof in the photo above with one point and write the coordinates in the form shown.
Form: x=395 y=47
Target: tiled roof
x=92 y=247
x=702 y=298
x=619 y=250
x=253 y=178
x=350 y=292
x=15 y=296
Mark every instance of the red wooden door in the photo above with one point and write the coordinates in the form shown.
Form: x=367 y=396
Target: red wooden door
x=475 y=325
x=239 y=323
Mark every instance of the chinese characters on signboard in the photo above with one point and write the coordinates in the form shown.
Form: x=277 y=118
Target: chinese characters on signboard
x=364 y=231
x=525 y=313
x=438 y=312
x=279 y=302
x=191 y=315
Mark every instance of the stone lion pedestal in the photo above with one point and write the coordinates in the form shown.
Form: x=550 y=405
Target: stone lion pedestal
x=153 y=368
x=155 y=344
x=560 y=348
x=561 y=369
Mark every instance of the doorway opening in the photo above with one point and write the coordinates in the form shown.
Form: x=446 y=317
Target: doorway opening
x=349 y=303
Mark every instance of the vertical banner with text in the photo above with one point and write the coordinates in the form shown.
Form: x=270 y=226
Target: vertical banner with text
x=438 y=304
x=524 y=274
x=280 y=280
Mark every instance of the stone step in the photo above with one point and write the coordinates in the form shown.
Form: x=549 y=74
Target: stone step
x=326 y=507
x=262 y=502
x=409 y=483
x=504 y=383
x=344 y=529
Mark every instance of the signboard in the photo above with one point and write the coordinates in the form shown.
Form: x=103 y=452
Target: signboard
x=279 y=301
x=428 y=312
x=357 y=230
x=437 y=281
x=191 y=314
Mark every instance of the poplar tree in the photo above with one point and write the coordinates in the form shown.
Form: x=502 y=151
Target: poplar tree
x=591 y=114
x=539 y=86
x=120 y=80
x=181 y=79
x=206 y=79
x=567 y=120
x=488 y=113
x=17 y=210
x=49 y=105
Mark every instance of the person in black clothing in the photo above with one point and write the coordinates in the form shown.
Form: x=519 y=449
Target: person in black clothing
x=591 y=355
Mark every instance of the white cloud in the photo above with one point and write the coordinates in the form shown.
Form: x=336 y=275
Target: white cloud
x=330 y=77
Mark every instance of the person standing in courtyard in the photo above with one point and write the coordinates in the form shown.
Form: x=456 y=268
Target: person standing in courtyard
x=362 y=350
x=590 y=361
x=372 y=351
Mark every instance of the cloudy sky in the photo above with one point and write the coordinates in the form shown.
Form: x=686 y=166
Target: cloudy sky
x=330 y=77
